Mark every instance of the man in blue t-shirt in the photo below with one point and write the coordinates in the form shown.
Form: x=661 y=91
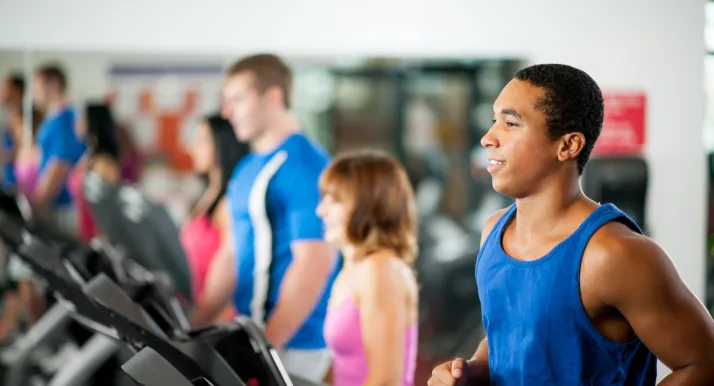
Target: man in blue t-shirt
x=273 y=261
x=59 y=146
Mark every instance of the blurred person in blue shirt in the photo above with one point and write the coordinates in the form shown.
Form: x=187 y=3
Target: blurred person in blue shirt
x=60 y=149
x=275 y=264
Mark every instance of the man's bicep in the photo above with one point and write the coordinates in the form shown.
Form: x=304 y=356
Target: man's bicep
x=317 y=257
x=223 y=221
x=661 y=309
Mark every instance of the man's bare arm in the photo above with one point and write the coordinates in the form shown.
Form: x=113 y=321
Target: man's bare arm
x=646 y=289
x=220 y=284
x=303 y=285
x=49 y=185
x=478 y=364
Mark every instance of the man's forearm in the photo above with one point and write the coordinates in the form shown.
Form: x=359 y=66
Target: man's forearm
x=478 y=372
x=299 y=293
x=49 y=185
x=690 y=376
x=478 y=366
x=43 y=195
x=220 y=283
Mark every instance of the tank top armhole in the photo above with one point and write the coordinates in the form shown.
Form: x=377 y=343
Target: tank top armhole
x=611 y=214
x=496 y=229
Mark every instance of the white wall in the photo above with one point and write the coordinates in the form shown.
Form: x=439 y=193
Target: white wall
x=654 y=45
x=88 y=71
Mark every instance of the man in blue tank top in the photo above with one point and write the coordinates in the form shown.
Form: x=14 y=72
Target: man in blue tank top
x=273 y=261
x=571 y=292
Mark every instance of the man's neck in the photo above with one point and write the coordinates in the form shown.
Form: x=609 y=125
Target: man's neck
x=56 y=105
x=275 y=133
x=541 y=213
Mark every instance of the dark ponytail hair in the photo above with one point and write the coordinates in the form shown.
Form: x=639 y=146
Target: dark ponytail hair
x=101 y=130
x=228 y=151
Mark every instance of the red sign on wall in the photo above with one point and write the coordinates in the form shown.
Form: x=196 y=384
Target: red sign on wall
x=623 y=131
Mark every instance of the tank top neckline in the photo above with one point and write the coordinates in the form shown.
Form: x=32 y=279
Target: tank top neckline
x=507 y=219
x=350 y=301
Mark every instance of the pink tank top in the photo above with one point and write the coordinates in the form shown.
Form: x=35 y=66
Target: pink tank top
x=343 y=334
x=87 y=228
x=200 y=240
x=26 y=175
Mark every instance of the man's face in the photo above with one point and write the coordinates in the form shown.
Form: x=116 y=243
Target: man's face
x=519 y=151
x=39 y=91
x=244 y=107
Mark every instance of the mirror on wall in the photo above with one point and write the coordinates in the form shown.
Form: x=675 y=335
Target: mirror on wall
x=429 y=113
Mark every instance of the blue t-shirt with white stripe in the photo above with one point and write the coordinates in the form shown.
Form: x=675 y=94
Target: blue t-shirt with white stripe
x=58 y=142
x=273 y=198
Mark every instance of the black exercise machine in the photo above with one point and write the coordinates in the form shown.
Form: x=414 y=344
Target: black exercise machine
x=135 y=312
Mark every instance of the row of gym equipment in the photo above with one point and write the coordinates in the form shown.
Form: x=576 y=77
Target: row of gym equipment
x=132 y=296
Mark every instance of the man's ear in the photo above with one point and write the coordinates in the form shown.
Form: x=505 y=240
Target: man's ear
x=274 y=96
x=571 y=145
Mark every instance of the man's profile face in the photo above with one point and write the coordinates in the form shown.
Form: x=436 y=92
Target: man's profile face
x=519 y=151
x=243 y=106
x=39 y=91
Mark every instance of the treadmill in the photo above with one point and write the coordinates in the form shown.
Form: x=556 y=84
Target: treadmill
x=77 y=264
x=55 y=322
x=227 y=354
x=140 y=228
x=222 y=354
x=148 y=368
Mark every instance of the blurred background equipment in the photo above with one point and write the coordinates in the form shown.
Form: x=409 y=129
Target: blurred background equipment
x=161 y=73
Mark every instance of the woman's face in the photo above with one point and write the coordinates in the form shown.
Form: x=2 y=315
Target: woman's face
x=334 y=214
x=203 y=151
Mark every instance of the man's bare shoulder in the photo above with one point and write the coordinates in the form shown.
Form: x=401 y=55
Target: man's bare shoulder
x=616 y=241
x=622 y=257
x=489 y=224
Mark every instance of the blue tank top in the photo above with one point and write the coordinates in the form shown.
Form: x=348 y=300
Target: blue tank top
x=537 y=328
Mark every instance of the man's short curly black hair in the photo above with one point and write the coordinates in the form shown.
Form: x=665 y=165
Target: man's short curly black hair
x=572 y=103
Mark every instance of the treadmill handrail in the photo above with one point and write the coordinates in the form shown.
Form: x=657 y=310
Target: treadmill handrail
x=104 y=291
x=266 y=349
x=148 y=368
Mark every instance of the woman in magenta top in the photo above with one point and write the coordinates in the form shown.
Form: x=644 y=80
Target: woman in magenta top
x=97 y=121
x=371 y=325
x=97 y=128
x=214 y=151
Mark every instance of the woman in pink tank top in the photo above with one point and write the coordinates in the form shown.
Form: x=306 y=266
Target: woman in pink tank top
x=97 y=128
x=215 y=151
x=371 y=324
